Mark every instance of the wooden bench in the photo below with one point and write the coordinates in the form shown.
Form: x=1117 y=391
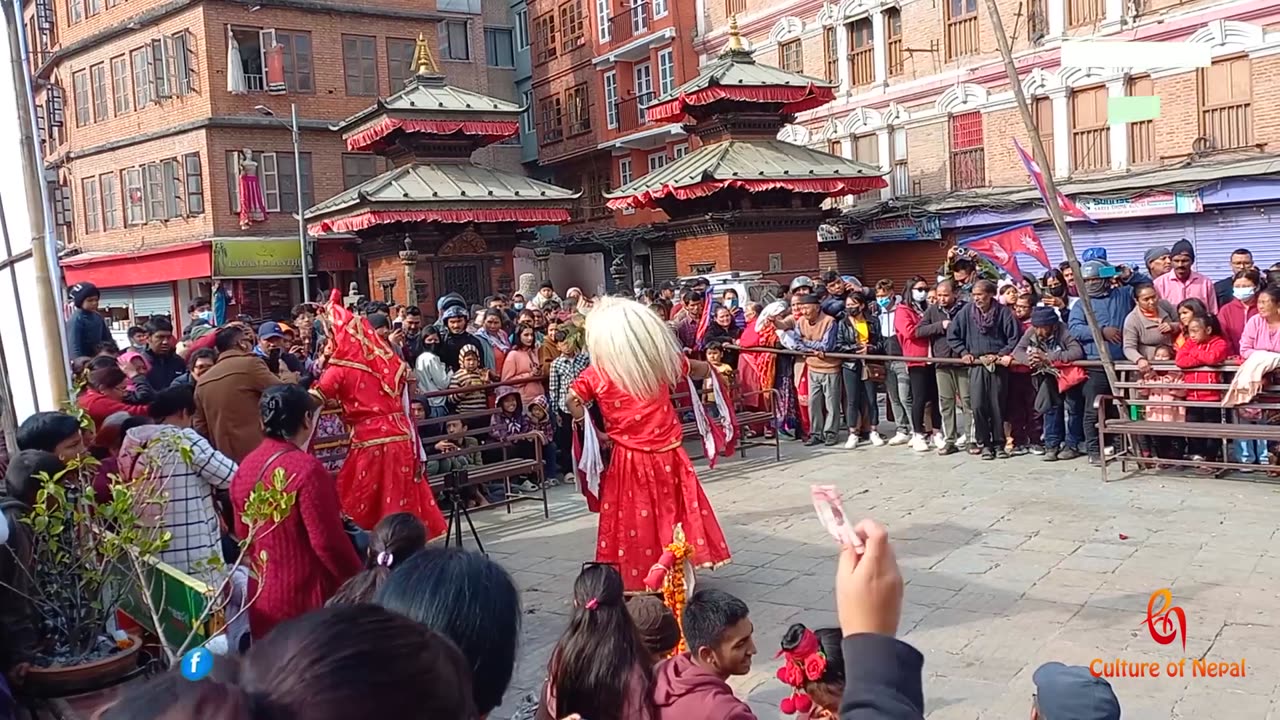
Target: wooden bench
x=745 y=420
x=1129 y=429
x=504 y=470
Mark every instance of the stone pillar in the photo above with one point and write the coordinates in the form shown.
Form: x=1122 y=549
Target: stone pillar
x=1119 y=132
x=842 y=53
x=1061 y=134
x=542 y=254
x=880 y=56
x=353 y=297
x=409 y=258
x=1057 y=10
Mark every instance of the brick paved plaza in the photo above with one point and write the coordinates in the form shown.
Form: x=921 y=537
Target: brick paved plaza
x=1008 y=565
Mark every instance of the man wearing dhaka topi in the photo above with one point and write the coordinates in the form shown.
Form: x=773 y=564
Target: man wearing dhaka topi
x=649 y=486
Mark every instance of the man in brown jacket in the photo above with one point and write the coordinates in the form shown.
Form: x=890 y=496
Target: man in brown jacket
x=227 y=396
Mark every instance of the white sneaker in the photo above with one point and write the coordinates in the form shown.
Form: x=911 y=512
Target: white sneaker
x=877 y=439
x=570 y=478
x=919 y=444
x=852 y=442
x=900 y=438
x=962 y=440
x=939 y=441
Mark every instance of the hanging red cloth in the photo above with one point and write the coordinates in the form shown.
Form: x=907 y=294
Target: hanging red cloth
x=253 y=207
x=275 y=71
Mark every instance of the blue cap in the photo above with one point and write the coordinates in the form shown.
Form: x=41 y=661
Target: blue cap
x=1073 y=693
x=269 y=329
x=1094 y=253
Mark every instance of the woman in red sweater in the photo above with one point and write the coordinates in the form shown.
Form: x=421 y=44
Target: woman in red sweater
x=1204 y=346
x=105 y=394
x=924 y=383
x=309 y=555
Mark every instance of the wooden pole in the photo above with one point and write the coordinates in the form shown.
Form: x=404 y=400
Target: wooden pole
x=33 y=178
x=1051 y=189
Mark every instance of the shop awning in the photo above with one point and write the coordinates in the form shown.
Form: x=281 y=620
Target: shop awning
x=183 y=261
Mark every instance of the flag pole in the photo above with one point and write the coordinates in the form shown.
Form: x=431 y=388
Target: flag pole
x=1051 y=193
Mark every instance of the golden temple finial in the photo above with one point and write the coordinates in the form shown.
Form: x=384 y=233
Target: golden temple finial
x=423 y=63
x=735 y=40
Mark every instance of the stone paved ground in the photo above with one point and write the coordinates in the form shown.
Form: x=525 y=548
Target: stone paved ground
x=1008 y=565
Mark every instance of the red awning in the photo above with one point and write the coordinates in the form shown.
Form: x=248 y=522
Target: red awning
x=832 y=187
x=794 y=99
x=491 y=130
x=370 y=218
x=184 y=261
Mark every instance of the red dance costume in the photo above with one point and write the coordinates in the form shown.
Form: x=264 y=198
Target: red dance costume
x=649 y=486
x=383 y=472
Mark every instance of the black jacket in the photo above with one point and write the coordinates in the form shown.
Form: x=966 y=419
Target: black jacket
x=882 y=679
x=847 y=340
x=451 y=347
x=931 y=327
x=164 y=369
x=84 y=331
x=964 y=335
x=18 y=617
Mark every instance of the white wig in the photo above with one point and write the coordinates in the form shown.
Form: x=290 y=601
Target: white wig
x=771 y=311
x=630 y=344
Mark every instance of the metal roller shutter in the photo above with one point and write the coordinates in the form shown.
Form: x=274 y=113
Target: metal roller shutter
x=841 y=257
x=115 y=298
x=1126 y=241
x=1218 y=232
x=662 y=259
x=900 y=260
x=151 y=300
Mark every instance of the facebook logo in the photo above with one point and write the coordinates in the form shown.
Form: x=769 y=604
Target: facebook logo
x=197 y=664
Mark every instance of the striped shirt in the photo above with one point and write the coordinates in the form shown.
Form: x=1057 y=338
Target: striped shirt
x=469 y=401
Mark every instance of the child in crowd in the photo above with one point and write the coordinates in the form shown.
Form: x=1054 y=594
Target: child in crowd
x=818 y=685
x=509 y=422
x=1164 y=388
x=540 y=422
x=1204 y=346
x=394 y=539
x=564 y=370
x=656 y=624
x=715 y=358
x=600 y=668
x=454 y=463
x=470 y=374
x=696 y=684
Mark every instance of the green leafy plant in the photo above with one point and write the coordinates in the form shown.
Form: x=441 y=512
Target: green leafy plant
x=88 y=555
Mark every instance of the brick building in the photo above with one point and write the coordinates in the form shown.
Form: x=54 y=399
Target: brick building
x=596 y=64
x=924 y=95
x=143 y=106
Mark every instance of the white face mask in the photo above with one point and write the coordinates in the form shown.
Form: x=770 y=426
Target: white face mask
x=919 y=295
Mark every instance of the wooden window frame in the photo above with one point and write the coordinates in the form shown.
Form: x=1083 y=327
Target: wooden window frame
x=831 y=54
x=299 y=64
x=797 y=57
x=193 y=183
x=395 y=77
x=577 y=105
x=545 y=38
x=135 y=210
x=447 y=51
x=140 y=71
x=551 y=111
x=573 y=27
x=355 y=66
x=110 y=201
x=1082 y=13
x=1044 y=130
x=862 y=57
x=966 y=150
x=1142 y=140
x=894 y=60
x=1237 y=112
x=91 y=202
x=352 y=179
x=961 y=31
x=83 y=97
x=98 y=87
x=1090 y=145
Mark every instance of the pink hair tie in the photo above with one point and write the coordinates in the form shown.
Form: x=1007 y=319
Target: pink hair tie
x=385 y=559
x=592 y=604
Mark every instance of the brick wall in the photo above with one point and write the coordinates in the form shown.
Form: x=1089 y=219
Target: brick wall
x=1000 y=128
x=927 y=154
x=702 y=250
x=799 y=249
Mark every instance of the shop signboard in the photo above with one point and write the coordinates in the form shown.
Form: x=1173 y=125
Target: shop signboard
x=1156 y=202
x=899 y=229
x=256 y=259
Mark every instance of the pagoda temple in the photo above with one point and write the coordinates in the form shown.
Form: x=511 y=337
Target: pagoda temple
x=437 y=222
x=745 y=200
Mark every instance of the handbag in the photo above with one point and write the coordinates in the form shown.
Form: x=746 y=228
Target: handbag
x=1070 y=376
x=875 y=372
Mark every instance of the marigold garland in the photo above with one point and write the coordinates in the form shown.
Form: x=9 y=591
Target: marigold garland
x=674 y=585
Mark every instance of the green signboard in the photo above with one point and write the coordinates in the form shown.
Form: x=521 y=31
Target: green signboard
x=256 y=258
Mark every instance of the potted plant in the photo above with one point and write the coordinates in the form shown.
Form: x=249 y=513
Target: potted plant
x=90 y=555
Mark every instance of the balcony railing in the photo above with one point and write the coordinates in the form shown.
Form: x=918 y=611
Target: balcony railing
x=962 y=37
x=862 y=66
x=254 y=83
x=632 y=21
x=551 y=135
x=1142 y=143
x=1229 y=126
x=630 y=111
x=1091 y=149
x=968 y=169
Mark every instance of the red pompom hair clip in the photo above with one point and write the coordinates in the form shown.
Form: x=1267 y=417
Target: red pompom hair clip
x=805 y=663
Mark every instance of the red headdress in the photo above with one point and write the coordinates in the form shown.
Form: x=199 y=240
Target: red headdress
x=355 y=345
x=804 y=663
